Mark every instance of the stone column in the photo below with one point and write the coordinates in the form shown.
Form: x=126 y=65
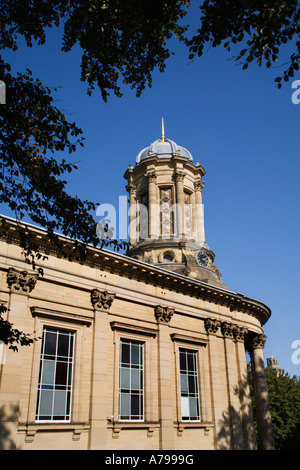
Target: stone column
x=163 y=316
x=239 y=334
x=179 y=177
x=152 y=205
x=234 y=407
x=132 y=214
x=200 y=232
x=263 y=415
x=100 y=393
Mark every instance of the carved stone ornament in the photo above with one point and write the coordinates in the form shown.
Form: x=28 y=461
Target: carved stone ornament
x=258 y=341
x=227 y=330
x=102 y=299
x=212 y=326
x=151 y=176
x=163 y=314
x=179 y=175
x=239 y=333
x=21 y=281
x=198 y=185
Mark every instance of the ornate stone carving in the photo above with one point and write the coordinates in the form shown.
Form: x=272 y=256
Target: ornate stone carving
x=198 y=185
x=179 y=175
x=239 y=333
x=21 y=281
x=163 y=314
x=151 y=176
x=258 y=341
x=227 y=330
x=102 y=299
x=131 y=189
x=212 y=326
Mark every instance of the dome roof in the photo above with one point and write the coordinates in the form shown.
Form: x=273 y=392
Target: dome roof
x=163 y=148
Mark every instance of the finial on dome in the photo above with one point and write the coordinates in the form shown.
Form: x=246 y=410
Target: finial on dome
x=162 y=130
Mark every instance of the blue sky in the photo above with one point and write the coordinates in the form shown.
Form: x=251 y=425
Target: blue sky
x=239 y=126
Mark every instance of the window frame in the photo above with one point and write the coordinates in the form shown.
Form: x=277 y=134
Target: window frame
x=68 y=388
x=138 y=391
x=197 y=343
x=188 y=394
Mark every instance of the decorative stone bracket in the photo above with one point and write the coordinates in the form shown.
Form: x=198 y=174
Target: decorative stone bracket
x=102 y=299
x=229 y=330
x=163 y=314
x=21 y=281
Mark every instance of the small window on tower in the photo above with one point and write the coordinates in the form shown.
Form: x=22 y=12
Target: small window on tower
x=168 y=258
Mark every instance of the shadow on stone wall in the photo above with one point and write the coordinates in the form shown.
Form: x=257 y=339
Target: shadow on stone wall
x=236 y=428
x=8 y=419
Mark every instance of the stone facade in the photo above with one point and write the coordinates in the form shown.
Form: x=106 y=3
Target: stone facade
x=105 y=300
x=139 y=351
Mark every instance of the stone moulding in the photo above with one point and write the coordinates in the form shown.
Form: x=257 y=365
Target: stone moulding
x=140 y=271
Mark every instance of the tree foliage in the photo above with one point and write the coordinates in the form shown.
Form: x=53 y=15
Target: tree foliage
x=261 y=27
x=284 y=398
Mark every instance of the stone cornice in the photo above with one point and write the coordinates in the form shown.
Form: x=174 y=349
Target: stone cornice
x=140 y=271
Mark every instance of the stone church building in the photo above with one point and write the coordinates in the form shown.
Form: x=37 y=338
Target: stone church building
x=139 y=351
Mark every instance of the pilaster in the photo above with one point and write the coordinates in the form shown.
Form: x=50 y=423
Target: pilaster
x=163 y=316
x=101 y=301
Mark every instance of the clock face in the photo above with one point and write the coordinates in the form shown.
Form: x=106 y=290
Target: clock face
x=202 y=258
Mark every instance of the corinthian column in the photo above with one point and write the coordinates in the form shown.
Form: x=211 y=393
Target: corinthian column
x=152 y=205
x=132 y=214
x=179 y=177
x=264 y=421
x=200 y=232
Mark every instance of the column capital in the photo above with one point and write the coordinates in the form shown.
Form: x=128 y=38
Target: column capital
x=257 y=341
x=212 y=326
x=163 y=314
x=21 y=281
x=179 y=175
x=131 y=188
x=227 y=330
x=102 y=300
x=198 y=185
x=151 y=175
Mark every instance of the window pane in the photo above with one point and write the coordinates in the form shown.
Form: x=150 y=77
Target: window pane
x=182 y=357
x=193 y=408
x=125 y=358
x=61 y=373
x=125 y=377
x=185 y=407
x=124 y=404
x=59 y=407
x=50 y=343
x=190 y=360
x=192 y=387
x=135 y=405
x=46 y=402
x=63 y=345
x=48 y=372
x=135 y=379
x=135 y=354
x=183 y=383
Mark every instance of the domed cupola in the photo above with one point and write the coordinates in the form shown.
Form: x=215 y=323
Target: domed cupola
x=166 y=220
x=163 y=148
